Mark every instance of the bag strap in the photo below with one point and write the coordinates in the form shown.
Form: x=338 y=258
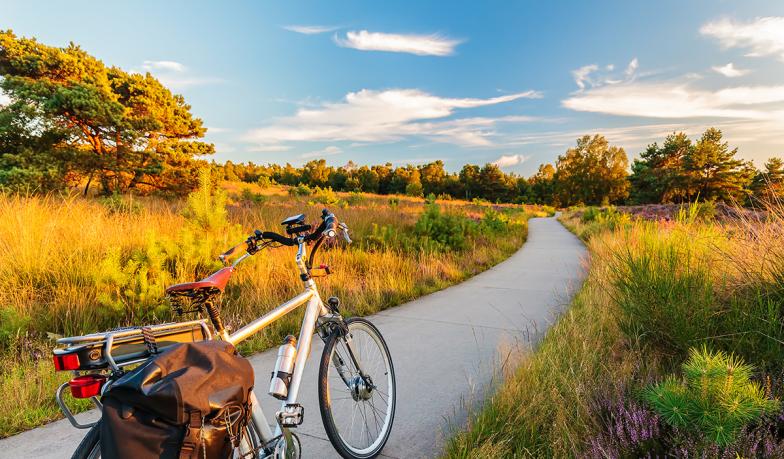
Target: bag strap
x=192 y=440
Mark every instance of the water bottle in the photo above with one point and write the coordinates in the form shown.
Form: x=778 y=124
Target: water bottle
x=284 y=366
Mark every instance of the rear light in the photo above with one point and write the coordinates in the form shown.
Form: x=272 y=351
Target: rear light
x=86 y=386
x=66 y=362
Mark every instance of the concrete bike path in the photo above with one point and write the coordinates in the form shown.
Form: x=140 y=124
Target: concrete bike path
x=446 y=347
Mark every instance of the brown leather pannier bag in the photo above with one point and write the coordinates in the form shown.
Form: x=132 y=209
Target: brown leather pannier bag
x=191 y=401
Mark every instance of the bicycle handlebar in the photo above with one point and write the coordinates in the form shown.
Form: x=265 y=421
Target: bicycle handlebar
x=328 y=228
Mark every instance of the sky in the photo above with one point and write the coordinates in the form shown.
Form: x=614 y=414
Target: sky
x=514 y=83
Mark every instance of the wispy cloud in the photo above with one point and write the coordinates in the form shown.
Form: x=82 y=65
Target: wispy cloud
x=170 y=66
x=730 y=71
x=328 y=151
x=421 y=45
x=175 y=75
x=762 y=36
x=269 y=148
x=509 y=160
x=593 y=76
x=310 y=29
x=388 y=115
x=677 y=99
x=583 y=74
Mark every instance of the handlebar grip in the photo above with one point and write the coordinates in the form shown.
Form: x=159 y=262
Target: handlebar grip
x=330 y=223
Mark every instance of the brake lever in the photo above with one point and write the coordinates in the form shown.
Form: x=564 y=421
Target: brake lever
x=344 y=231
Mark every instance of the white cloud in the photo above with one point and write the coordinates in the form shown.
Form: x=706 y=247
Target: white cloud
x=631 y=69
x=592 y=76
x=388 y=115
x=170 y=66
x=509 y=160
x=175 y=75
x=421 y=45
x=328 y=151
x=582 y=75
x=310 y=29
x=762 y=36
x=673 y=99
x=269 y=148
x=730 y=71
x=4 y=99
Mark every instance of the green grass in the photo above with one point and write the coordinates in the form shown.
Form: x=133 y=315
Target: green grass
x=72 y=266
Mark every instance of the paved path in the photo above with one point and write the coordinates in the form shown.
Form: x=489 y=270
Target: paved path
x=446 y=348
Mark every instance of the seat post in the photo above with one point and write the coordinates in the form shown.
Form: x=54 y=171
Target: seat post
x=214 y=313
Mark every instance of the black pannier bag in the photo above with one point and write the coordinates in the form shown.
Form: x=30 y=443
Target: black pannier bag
x=191 y=401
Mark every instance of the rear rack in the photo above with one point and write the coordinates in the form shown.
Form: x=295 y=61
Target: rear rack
x=126 y=346
x=123 y=347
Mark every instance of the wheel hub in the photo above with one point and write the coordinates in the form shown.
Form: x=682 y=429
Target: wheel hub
x=360 y=390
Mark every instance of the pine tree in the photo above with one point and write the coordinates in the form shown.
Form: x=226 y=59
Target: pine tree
x=713 y=173
x=658 y=176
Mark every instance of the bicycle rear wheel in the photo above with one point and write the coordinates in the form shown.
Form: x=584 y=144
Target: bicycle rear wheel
x=357 y=412
x=90 y=446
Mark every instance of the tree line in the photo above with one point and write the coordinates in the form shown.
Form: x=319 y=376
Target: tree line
x=593 y=173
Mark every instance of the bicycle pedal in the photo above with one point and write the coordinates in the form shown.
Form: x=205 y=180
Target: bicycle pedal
x=291 y=416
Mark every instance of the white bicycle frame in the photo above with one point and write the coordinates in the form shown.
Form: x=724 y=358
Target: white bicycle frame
x=314 y=311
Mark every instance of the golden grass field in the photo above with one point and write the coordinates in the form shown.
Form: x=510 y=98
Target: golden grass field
x=70 y=265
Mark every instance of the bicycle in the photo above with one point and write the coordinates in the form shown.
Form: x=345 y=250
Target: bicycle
x=356 y=375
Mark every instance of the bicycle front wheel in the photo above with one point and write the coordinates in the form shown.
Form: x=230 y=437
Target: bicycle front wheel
x=357 y=411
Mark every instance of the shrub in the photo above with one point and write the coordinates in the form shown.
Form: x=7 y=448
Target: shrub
x=448 y=231
x=494 y=221
x=117 y=204
x=394 y=202
x=300 y=190
x=250 y=196
x=326 y=196
x=207 y=205
x=715 y=396
x=12 y=324
x=414 y=189
x=355 y=198
x=264 y=181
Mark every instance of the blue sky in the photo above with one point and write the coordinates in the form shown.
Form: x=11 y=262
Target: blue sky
x=466 y=82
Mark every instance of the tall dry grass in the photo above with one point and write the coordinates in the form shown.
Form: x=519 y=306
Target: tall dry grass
x=654 y=290
x=71 y=266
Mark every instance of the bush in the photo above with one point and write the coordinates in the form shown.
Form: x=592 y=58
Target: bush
x=326 y=196
x=264 y=181
x=414 y=189
x=300 y=190
x=207 y=205
x=355 y=198
x=12 y=324
x=448 y=231
x=248 y=195
x=117 y=204
x=715 y=396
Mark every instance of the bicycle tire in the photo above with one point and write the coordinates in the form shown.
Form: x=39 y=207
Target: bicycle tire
x=325 y=400
x=90 y=446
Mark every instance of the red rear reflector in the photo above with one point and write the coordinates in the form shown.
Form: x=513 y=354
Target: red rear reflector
x=66 y=362
x=86 y=386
